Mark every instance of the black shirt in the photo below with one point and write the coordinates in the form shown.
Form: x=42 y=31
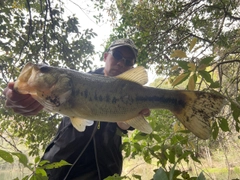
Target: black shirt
x=94 y=154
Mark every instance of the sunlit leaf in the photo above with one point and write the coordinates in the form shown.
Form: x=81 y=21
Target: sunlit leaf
x=177 y=126
x=192 y=82
x=202 y=67
x=37 y=159
x=56 y=164
x=192 y=43
x=174 y=67
x=179 y=79
x=191 y=66
x=179 y=54
x=41 y=171
x=43 y=162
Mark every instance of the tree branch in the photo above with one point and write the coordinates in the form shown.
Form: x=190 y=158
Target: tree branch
x=225 y=62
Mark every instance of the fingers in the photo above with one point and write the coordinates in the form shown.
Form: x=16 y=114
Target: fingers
x=21 y=103
x=145 y=112
x=123 y=125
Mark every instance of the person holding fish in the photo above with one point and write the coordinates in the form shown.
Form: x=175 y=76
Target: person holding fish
x=95 y=153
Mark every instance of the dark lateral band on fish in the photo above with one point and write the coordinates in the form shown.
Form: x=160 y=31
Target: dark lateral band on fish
x=84 y=97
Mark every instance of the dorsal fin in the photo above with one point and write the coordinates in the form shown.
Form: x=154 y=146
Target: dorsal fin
x=138 y=75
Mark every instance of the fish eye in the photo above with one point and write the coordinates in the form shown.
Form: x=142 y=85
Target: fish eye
x=44 y=69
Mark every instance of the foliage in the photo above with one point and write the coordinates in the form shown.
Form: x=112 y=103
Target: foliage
x=37 y=31
x=193 y=44
x=37 y=169
x=159 y=27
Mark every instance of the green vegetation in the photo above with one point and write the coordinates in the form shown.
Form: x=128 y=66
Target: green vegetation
x=193 y=45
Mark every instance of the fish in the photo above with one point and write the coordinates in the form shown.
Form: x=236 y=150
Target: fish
x=86 y=98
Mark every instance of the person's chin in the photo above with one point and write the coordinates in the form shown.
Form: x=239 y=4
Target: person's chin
x=115 y=72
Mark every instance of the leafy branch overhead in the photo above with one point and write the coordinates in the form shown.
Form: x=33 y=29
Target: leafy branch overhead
x=38 y=31
x=191 y=44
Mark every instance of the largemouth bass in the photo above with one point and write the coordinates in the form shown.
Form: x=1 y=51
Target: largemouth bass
x=84 y=97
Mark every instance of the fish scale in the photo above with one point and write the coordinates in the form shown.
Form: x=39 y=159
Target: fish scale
x=84 y=97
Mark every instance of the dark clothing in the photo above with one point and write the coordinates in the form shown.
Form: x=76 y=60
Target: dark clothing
x=94 y=153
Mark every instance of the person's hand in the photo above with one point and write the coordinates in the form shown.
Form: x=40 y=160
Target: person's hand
x=21 y=103
x=124 y=126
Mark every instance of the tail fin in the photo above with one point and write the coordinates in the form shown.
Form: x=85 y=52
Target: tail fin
x=199 y=108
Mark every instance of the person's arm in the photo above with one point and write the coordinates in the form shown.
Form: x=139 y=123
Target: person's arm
x=124 y=126
x=21 y=103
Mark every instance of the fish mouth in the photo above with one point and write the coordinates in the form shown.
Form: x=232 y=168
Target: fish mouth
x=21 y=84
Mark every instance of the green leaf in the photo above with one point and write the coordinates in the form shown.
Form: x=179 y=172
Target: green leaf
x=235 y=111
x=206 y=60
x=115 y=177
x=137 y=176
x=215 y=84
x=223 y=123
x=171 y=173
x=206 y=76
x=56 y=164
x=160 y=174
x=140 y=136
x=6 y=156
x=157 y=137
x=126 y=146
x=183 y=64
x=41 y=171
x=137 y=146
x=43 y=162
x=215 y=130
x=147 y=157
x=201 y=176
x=171 y=156
x=22 y=158
x=37 y=159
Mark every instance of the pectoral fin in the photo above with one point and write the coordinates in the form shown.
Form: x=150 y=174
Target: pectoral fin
x=80 y=124
x=140 y=123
